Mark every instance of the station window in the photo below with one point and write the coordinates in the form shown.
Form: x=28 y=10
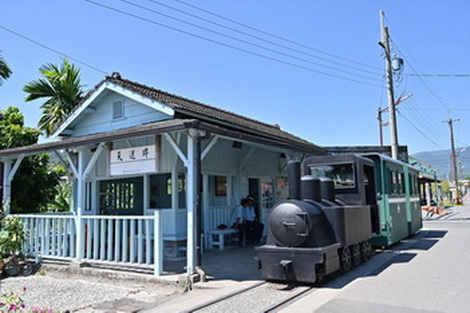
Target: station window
x=118 y=109
x=220 y=183
x=117 y=195
x=161 y=189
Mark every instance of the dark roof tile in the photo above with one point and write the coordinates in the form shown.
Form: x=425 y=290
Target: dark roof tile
x=203 y=111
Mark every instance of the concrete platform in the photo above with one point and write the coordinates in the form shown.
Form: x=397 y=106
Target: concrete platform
x=425 y=273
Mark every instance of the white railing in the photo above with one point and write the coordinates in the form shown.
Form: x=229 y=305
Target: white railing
x=50 y=235
x=122 y=240
x=119 y=238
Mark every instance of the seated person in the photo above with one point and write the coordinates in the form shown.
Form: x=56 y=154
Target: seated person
x=254 y=228
x=237 y=220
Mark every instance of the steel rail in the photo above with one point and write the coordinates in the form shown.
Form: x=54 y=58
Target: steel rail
x=223 y=298
x=289 y=300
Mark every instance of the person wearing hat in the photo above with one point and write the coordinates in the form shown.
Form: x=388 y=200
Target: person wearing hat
x=253 y=227
x=237 y=220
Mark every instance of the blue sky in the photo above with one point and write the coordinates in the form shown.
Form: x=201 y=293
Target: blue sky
x=278 y=84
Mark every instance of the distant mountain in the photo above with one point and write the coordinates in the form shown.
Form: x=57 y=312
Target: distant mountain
x=441 y=159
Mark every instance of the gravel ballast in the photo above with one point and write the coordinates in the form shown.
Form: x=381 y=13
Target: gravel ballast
x=68 y=292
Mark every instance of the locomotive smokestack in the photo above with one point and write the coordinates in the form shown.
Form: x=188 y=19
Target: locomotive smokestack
x=328 y=189
x=293 y=179
x=310 y=188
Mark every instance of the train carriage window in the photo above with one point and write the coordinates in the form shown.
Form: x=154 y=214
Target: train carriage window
x=393 y=182
x=415 y=183
x=401 y=183
x=412 y=180
x=342 y=174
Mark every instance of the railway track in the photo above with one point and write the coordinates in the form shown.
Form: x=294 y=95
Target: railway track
x=262 y=297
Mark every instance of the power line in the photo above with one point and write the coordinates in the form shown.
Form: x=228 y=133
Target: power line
x=226 y=45
x=53 y=50
x=430 y=89
x=440 y=75
x=274 y=35
x=258 y=37
x=420 y=118
x=424 y=135
x=440 y=109
x=418 y=123
x=245 y=41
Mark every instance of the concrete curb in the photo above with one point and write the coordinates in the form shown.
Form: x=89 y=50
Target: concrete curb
x=84 y=269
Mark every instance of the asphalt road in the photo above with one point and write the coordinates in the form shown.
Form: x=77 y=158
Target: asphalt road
x=427 y=273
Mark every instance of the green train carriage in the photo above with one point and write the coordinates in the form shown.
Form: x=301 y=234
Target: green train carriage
x=398 y=200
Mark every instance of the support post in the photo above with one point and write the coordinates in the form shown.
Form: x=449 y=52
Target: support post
x=193 y=164
x=157 y=244
x=454 y=157
x=385 y=44
x=381 y=133
x=146 y=193
x=6 y=186
x=205 y=202
x=80 y=204
x=8 y=175
x=427 y=189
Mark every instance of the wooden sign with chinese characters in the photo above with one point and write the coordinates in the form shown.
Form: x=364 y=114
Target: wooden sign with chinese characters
x=133 y=160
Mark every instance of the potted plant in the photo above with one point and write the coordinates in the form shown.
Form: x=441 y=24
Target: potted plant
x=12 y=238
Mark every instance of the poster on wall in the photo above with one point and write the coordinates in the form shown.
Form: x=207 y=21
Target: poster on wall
x=133 y=160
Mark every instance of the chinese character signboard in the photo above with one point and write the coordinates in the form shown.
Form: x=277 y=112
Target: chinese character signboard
x=133 y=160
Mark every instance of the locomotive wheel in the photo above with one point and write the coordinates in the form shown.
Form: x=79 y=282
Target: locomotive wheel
x=346 y=259
x=366 y=250
x=356 y=254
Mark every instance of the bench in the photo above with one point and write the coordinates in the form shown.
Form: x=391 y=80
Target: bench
x=220 y=237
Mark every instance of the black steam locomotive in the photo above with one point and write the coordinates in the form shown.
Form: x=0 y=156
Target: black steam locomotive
x=326 y=224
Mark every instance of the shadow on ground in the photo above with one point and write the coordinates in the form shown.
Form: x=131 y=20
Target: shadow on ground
x=238 y=263
x=384 y=259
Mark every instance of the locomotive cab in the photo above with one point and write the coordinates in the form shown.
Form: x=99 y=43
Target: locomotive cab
x=354 y=180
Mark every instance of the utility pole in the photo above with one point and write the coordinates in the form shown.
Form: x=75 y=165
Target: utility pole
x=454 y=157
x=385 y=44
x=379 y=116
x=381 y=124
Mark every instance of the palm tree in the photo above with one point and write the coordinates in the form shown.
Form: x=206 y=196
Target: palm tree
x=62 y=89
x=5 y=71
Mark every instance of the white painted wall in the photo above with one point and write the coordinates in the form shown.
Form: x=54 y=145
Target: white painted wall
x=224 y=159
x=101 y=120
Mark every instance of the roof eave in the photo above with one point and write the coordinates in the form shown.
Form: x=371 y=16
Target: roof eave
x=158 y=128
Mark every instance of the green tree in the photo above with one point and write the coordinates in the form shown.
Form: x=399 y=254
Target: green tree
x=5 y=71
x=62 y=199
x=35 y=181
x=445 y=185
x=12 y=131
x=62 y=89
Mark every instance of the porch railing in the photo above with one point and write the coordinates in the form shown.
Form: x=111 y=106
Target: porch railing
x=123 y=240
x=50 y=235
